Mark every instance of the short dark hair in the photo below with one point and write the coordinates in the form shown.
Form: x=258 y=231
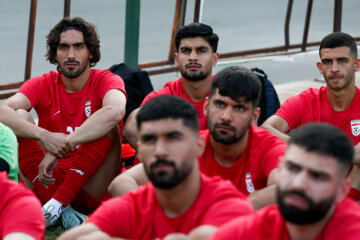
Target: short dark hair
x=90 y=36
x=339 y=39
x=237 y=82
x=193 y=30
x=325 y=139
x=168 y=106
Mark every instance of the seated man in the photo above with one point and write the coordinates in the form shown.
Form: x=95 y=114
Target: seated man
x=9 y=153
x=235 y=149
x=337 y=103
x=21 y=217
x=311 y=192
x=196 y=53
x=179 y=200
x=76 y=106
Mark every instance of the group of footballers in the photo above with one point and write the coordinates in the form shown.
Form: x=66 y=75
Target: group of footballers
x=206 y=170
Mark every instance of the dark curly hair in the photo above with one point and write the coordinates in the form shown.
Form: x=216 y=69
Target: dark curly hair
x=90 y=36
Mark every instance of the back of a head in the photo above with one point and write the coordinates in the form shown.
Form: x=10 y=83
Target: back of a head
x=339 y=39
x=237 y=82
x=193 y=30
x=168 y=106
x=91 y=38
x=325 y=139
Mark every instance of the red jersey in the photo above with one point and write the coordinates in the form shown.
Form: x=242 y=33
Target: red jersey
x=60 y=111
x=176 y=88
x=138 y=214
x=312 y=105
x=268 y=223
x=251 y=170
x=20 y=210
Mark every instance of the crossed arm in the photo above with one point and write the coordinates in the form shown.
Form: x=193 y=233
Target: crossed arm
x=60 y=144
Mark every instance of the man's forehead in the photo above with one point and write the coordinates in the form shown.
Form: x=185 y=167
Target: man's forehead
x=239 y=100
x=161 y=126
x=336 y=52
x=194 y=42
x=311 y=160
x=71 y=35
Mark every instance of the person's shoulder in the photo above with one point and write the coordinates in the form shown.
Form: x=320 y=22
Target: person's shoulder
x=258 y=225
x=216 y=186
x=312 y=92
x=261 y=135
x=173 y=86
x=103 y=74
x=13 y=190
x=345 y=222
x=348 y=208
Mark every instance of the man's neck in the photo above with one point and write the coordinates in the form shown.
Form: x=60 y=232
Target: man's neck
x=310 y=231
x=177 y=200
x=341 y=99
x=76 y=84
x=197 y=90
x=227 y=154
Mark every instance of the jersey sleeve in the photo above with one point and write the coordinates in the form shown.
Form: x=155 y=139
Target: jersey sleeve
x=113 y=217
x=23 y=214
x=163 y=91
x=291 y=111
x=228 y=204
x=33 y=88
x=271 y=158
x=235 y=229
x=110 y=81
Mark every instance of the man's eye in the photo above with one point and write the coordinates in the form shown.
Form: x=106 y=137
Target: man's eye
x=240 y=108
x=327 y=62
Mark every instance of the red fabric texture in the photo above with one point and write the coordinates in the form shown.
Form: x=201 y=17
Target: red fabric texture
x=20 y=210
x=312 y=105
x=259 y=158
x=138 y=214
x=176 y=88
x=268 y=223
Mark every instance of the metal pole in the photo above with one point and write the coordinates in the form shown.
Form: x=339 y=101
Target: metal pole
x=132 y=28
x=287 y=23
x=66 y=8
x=30 y=42
x=337 y=15
x=197 y=10
x=307 y=23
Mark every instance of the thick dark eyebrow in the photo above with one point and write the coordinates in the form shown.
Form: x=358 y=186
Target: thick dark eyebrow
x=147 y=136
x=312 y=171
x=174 y=133
x=203 y=48
x=66 y=44
x=342 y=58
x=184 y=48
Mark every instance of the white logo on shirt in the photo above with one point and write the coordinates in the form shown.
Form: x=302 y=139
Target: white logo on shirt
x=88 y=108
x=249 y=185
x=355 y=127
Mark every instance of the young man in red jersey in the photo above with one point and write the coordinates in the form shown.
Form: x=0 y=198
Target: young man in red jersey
x=79 y=110
x=312 y=187
x=196 y=54
x=337 y=103
x=235 y=149
x=178 y=201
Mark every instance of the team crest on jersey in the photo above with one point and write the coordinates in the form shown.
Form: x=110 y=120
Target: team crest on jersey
x=355 y=127
x=249 y=184
x=88 y=108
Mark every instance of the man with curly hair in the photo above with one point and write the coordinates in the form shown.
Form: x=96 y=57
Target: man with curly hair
x=79 y=110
